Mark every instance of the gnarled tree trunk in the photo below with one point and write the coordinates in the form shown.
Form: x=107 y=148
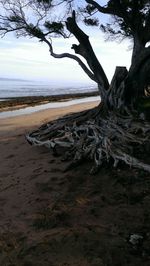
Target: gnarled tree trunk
x=106 y=133
x=109 y=132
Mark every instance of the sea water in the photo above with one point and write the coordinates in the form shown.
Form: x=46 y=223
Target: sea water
x=29 y=110
x=20 y=88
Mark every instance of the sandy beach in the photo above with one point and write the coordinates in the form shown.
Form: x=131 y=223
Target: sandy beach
x=23 y=123
x=49 y=217
x=23 y=169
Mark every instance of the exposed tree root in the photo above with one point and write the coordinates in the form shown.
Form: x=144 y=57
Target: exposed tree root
x=88 y=135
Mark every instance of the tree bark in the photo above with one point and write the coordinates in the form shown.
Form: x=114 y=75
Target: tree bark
x=85 y=50
x=126 y=87
x=115 y=97
x=139 y=75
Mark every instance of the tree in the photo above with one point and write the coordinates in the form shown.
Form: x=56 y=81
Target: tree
x=116 y=126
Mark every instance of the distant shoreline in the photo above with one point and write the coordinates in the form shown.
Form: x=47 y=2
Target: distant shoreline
x=14 y=103
x=26 y=109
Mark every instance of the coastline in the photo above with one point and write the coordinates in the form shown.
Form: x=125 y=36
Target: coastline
x=25 y=110
x=13 y=103
x=24 y=123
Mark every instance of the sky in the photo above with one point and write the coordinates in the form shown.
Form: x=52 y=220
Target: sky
x=30 y=59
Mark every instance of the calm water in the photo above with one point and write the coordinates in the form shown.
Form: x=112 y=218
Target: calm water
x=17 y=88
x=29 y=110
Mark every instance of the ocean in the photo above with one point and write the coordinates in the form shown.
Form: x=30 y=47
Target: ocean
x=20 y=88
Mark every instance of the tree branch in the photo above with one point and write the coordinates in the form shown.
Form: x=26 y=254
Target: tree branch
x=117 y=9
x=85 y=49
x=71 y=56
x=105 y=10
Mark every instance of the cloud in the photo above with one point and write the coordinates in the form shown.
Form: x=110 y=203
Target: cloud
x=30 y=58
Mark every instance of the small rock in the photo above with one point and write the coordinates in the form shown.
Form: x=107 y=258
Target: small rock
x=135 y=239
x=142 y=116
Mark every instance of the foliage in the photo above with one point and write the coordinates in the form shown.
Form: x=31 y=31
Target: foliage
x=46 y=19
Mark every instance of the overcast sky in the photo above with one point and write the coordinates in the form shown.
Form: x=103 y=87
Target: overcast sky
x=30 y=59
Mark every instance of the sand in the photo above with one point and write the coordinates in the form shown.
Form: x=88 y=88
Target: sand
x=22 y=169
x=49 y=217
x=26 y=122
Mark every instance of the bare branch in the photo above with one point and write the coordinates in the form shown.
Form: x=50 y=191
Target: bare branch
x=71 y=56
x=85 y=49
x=105 y=10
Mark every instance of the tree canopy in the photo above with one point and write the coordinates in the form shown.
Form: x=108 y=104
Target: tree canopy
x=46 y=20
x=130 y=17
